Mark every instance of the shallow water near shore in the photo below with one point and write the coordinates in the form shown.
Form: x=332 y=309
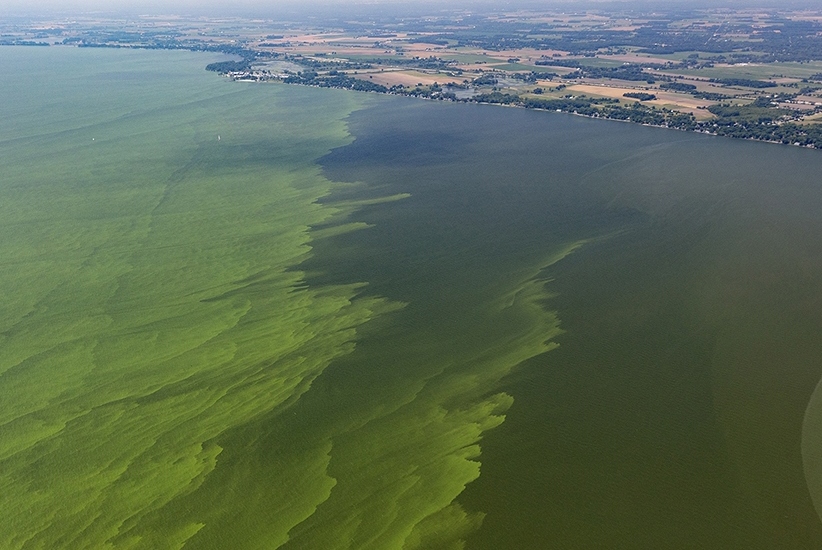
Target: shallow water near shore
x=360 y=321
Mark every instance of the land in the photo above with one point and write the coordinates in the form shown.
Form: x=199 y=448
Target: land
x=748 y=73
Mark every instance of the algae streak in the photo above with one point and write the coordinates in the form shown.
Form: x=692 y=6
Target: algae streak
x=153 y=299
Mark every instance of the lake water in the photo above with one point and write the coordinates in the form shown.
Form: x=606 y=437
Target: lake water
x=671 y=414
x=361 y=321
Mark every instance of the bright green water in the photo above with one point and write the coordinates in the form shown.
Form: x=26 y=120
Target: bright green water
x=150 y=298
x=248 y=342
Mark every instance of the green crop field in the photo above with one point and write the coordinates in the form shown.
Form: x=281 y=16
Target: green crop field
x=758 y=71
x=471 y=58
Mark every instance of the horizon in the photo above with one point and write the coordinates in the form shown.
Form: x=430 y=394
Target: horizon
x=262 y=8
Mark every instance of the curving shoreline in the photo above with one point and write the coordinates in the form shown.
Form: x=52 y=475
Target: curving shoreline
x=788 y=133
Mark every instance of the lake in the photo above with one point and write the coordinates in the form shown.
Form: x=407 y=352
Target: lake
x=266 y=315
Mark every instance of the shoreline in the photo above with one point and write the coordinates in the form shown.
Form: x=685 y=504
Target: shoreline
x=544 y=109
x=687 y=123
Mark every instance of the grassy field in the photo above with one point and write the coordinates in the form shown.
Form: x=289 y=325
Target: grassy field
x=472 y=58
x=758 y=71
x=515 y=67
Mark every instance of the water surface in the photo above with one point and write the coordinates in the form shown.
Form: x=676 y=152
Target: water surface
x=277 y=316
x=671 y=413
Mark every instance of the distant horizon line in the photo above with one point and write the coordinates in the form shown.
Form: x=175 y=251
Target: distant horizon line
x=252 y=8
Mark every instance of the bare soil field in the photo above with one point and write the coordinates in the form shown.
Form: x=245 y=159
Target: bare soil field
x=421 y=49
x=406 y=78
x=309 y=49
x=680 y=102
x=813 y=119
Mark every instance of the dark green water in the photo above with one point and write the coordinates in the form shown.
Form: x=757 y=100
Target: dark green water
x=670 y=416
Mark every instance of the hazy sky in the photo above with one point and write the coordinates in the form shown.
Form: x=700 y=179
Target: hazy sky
x=212 y=6
x=195 y=6
x=272 y=7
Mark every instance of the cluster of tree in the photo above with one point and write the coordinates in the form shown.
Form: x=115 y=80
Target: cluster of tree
x=498 y=97
x=247 y=57
x=149 y=45
x=755 y=113
x=224 y=67
x=743 y=57
x=533 y=76
x=99 y=37
x=710 y=96
x=745 y=82
x=631 y=72
x=760 y=122
x=642 y=96
x=47 y=33
x=768 y=100
x=437 y=41
x=787 y=133
x=596 y=107
x=430 y=92
x=146 y=41
x=571 y=63
x=417 y=62
x=790 y=41
x=16 y=42
x=337 y=80
x=677 y=87
x=784 y=40
x=487 y=79
x=691 y=89
x=324 y=65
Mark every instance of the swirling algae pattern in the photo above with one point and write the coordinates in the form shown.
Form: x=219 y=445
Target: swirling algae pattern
x=157 y=333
